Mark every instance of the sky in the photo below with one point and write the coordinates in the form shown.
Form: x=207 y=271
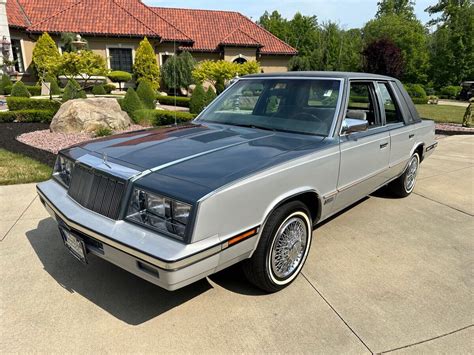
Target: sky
x=348 y=13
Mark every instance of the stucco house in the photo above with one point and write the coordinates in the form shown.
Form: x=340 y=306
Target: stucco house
x=114 y=28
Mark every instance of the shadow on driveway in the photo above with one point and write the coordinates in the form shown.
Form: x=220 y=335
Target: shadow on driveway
x=120 y=293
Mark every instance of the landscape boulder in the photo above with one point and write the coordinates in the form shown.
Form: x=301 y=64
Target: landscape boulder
x=87 y=115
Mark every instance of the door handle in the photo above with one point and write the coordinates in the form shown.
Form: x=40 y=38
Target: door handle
x=383 y=145
x=411 y=136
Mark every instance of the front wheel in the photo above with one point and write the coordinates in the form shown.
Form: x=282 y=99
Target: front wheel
x=282 y=249
x=404 y=185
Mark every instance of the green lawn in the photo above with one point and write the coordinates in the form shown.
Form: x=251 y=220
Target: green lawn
x=441 y=113
x=18 y=169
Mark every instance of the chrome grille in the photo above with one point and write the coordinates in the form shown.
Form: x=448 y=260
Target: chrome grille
x=97 y=191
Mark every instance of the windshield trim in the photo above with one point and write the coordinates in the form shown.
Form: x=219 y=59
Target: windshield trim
x=337 y=112
x=266 y=129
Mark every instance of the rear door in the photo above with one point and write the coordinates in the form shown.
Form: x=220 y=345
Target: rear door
x=364 y=155
x=402 y=136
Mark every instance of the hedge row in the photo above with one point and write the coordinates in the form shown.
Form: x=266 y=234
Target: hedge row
x=34 y=90
x=23 y=103
x=44 y=116
x=420 y=100
x=170 y=100
x=161 y=117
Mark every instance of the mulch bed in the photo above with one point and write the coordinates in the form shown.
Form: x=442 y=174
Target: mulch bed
x=9 y=132
x=451 y=129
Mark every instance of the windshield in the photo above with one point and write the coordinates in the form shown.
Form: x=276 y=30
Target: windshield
x=292 y=105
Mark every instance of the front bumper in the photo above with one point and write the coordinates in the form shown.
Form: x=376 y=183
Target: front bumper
x=158 y=259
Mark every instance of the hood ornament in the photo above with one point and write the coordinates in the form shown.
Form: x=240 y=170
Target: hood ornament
x=104 y=160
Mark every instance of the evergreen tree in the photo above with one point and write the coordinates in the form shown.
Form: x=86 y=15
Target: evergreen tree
x=46 y=56
x=146 y=67
x=131 y=103
x=146 y=94
x=4 y=82
x=54 y=87
x=198 y=100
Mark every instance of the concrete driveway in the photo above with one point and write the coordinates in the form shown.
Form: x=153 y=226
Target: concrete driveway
x=386 y=275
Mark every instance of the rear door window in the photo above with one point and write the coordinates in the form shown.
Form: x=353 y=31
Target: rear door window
x=389 y=105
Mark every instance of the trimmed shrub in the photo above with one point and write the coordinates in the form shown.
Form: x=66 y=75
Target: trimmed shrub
x=98 y=90
x=450 y=92
x=118 y=76
x=162 y=117
x=54 y=88
x=19 y=90
x=415 y=90
x=109 y=88
x=174 y=100
x=34 y=90
x=24 y=103
x=73 y=91
x=420 y=100
x=44 y=116
x=198 y=100
x=146 y=94
x=7 y=116
x=131 y=103
x=4 y=83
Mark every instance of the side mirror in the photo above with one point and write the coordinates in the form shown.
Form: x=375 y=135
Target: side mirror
x=351 y=125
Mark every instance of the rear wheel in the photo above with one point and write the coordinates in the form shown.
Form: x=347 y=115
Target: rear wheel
x=404 y=185
x=283 y=248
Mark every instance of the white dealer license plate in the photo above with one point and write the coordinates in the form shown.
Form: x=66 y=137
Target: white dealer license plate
x=75 y=245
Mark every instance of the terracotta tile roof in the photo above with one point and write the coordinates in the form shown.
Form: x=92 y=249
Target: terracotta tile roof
x=15 y=15
x=239 y=38
x=209 y=28
x=198 y=30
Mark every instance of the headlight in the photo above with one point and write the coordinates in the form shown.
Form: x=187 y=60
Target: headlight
x=63 y=170
x=159 y=212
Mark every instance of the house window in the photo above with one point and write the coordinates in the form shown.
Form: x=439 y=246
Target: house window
x=121 y=59
x=17 y=55
x=240 y=60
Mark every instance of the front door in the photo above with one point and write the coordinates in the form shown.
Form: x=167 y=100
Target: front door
x=365 y=155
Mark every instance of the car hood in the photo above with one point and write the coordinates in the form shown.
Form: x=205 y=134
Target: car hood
x=209 y=155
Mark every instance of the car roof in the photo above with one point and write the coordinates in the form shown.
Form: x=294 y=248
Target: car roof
x=322 y=74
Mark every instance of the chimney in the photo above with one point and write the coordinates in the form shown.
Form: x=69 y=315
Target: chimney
x=4 y=30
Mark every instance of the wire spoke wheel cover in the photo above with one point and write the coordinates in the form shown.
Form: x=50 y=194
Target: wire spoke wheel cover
x=290 y=246
x=412 y=170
